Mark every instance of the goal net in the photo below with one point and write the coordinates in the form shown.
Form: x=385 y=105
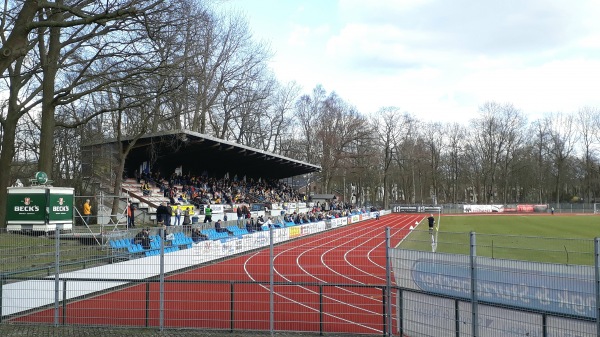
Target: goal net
x=596 y=208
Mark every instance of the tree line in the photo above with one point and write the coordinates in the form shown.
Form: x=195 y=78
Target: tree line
x=81 y=71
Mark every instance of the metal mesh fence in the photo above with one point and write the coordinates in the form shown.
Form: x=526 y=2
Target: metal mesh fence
x=327 y=277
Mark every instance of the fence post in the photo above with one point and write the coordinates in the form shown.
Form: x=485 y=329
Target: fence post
x=320 y=309
x=147 y=318
x=597 y=281
x=388 y=275
x=231 y=306
x=399 y=311
x=64 y=306
x=56 y=273
x=161 y=319
x=384 y=310
x=474 y=314
x=1 y=294
x=271 y=283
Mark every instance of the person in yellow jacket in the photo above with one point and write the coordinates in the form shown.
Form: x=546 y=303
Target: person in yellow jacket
x=87 y=212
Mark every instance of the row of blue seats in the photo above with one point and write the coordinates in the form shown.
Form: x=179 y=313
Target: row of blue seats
x=212 y=234
x=168 y=249
x=236 y=231
x=180 y=239
x=120 y=243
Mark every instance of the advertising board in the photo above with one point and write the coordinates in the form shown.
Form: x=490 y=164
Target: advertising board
x=26 y=206
x=60 y=206
x=39 y=208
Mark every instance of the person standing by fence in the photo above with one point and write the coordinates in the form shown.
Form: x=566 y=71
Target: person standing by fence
x=130 y=215
x=87 y=212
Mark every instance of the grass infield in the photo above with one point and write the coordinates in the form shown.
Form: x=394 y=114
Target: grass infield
x=567 y=239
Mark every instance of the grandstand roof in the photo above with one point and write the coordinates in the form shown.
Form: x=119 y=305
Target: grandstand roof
x=198 y=153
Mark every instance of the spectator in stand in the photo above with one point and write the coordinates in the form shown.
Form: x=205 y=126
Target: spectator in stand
x=240 y=215
x=207 y=214
x=161 y=212
x=249 y=226
x=186 y=218
x=246 y=212
x=197 y=236
x=146 y=188
x=167 y=235
x=269 y=222
x=218 y=227
x=168 y=214
x=177 y=215
x=143 y=238
x=130 y=215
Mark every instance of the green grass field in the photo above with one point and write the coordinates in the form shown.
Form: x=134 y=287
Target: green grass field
x=556 y=239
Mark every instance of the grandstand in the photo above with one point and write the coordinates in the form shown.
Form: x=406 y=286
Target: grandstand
x=169 y=150
x=159 y=155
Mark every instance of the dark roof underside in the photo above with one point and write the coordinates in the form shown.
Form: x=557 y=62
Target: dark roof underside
x=198 y=153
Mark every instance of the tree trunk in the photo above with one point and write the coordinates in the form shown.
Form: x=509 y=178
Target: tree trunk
x=48 y=124
x=6 y=156
x=117 y=184
x=17 y=41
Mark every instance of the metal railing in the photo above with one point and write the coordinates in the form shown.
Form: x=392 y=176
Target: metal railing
x=272 y=282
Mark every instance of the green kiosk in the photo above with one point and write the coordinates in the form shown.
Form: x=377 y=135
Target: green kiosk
x=39 y=207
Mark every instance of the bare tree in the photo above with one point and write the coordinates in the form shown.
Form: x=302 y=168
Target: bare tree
x=388 y=130
x=226 y=59
x=562 y=139
x=433 y=136
x=77 y=58
x=588 y=119
x=493 y=134
x=307 y=112
x=83 y=12
x=454 y=154
x=21 y=99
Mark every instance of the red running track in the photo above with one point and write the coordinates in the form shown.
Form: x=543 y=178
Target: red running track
x=328 y=282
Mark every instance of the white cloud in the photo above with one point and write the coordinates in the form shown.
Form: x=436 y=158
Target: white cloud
x=299 y=36
x=441 y=59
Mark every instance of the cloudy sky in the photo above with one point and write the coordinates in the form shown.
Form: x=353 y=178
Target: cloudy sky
x=436 y=59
